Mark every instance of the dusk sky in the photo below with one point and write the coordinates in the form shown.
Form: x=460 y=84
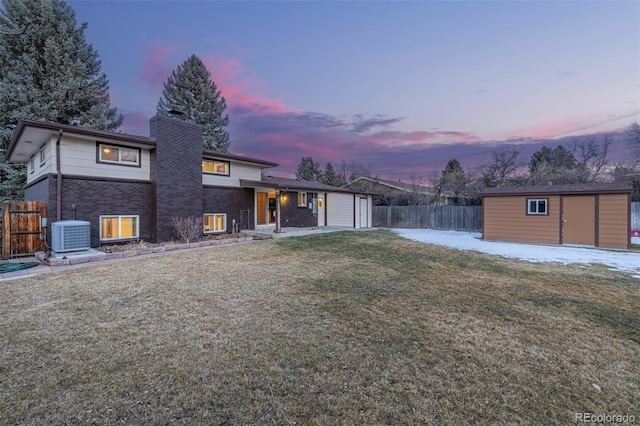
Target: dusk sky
x=400 y=87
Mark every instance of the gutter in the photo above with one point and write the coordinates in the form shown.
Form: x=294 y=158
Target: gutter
x=59 y=176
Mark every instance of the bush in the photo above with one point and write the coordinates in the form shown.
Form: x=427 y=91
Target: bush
x=188 y=229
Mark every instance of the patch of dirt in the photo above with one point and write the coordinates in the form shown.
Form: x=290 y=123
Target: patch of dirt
x=126 y=246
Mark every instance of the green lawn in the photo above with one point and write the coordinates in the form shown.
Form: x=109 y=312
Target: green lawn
x=340 y=328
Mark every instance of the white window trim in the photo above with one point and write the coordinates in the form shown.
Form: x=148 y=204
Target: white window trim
x=120 y=217
x=32 y=164
x=537 y=200
x=227 y=163
x=43 y=158
x=119 y=161
x=302 y=195
x=224 y=223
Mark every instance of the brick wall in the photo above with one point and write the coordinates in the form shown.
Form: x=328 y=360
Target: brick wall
x=230 y=201
x=176 y=173
x=292 y=215
x=96 y=197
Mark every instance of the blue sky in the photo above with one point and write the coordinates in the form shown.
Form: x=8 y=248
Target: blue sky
x=400 y=87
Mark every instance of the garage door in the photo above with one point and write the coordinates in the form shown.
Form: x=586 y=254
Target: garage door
x=339 y=208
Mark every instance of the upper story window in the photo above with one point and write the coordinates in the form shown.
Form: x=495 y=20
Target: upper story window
x=216 y=167
x=537 y=206
x=42 y=156
x=32 y=164
x=118 y=155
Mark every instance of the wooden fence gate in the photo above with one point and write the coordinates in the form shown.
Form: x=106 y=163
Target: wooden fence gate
x=21 y=232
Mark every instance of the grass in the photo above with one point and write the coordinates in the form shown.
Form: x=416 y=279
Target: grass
x=341 y=328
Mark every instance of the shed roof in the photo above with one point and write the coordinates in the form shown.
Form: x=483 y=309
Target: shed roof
x=565 y=189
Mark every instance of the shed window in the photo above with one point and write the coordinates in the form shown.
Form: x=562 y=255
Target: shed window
x=537 y=206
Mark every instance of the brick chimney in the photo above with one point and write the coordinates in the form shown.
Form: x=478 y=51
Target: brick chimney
x=176 y=173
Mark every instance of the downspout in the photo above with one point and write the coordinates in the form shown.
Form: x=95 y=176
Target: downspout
x=59 y=177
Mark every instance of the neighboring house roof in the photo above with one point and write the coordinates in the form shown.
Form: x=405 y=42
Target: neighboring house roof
x=566 y=189
x=292 y=185
x=30 y=135
x=396 y=185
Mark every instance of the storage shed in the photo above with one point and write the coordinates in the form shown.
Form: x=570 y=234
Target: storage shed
x=590 y=214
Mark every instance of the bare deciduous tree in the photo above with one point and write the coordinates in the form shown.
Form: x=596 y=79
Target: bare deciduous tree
x=591 y=155
x=505 y=161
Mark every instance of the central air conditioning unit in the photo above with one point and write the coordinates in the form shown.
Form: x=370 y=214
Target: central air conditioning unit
x=70 y=235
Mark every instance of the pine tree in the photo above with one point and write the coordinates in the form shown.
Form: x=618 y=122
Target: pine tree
x=309 y=170
x=49 y=73
x=329 y=177
x=190 y=91
x=453 y=182
x=555 y=166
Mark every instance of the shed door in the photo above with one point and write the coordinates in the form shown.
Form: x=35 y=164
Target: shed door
x=579 y=220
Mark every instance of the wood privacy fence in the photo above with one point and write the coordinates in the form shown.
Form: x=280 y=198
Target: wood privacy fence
x=20 y=228
x=456 y=218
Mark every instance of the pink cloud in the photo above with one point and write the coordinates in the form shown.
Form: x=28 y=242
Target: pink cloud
x=155 y=69
x=135 y=123
x=243 y=92
x=551 y=129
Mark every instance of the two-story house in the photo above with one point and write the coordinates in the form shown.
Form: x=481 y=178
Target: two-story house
x=131 y=187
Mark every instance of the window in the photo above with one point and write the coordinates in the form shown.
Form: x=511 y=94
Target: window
x=119 y=227
x=302 y=199
x=42 y=157
x=119 y=155
x=32 y=164
x=215 y=223
x=216 y=167
x=537 y=206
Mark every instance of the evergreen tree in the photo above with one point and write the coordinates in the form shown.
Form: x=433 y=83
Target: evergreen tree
x=453 y=182
x=330 y=177
x=309 y=170
x=555 y=166
x=49 y=73
x=190 y=91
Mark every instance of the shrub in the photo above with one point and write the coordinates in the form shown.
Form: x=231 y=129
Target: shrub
x=188 y=229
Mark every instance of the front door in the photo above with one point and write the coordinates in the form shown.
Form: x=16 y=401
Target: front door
x=579 y=220
x=261 y=208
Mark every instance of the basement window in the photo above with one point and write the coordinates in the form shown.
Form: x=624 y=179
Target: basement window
x=118 y=155
x=537 y=206
x=119 y=227
x=216 y=167
x=216 y=222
